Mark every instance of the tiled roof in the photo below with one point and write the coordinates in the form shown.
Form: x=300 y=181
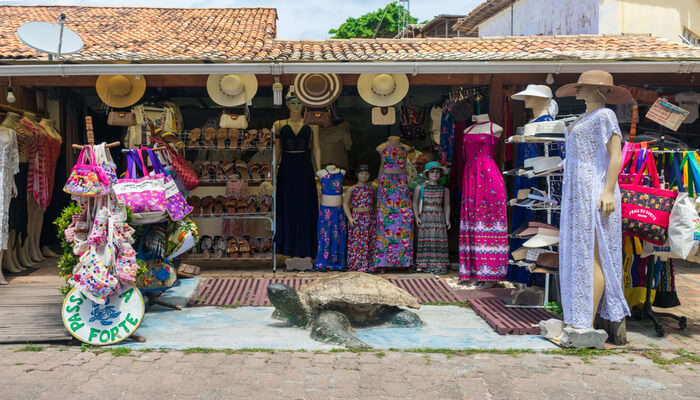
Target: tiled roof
x=482 y=12
x=515 y=48
x=121 y=33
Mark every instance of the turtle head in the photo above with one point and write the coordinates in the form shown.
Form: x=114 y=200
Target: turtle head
x=286 y=301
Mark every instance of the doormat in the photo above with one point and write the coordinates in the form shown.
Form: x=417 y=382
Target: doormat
x=31 y=313
x=253 y=291
x=510 y=320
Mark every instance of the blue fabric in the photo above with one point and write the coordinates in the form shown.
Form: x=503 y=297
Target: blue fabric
x=332 y=184
x=447 y=135
x=332 y=239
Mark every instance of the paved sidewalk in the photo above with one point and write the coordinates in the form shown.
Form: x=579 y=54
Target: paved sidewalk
x=66 y=372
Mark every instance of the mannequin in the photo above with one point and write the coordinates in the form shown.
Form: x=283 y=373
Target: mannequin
x=590 y=248
x=10 y=165
x=297 y=200
x=394 y=214
x=331 y=221
x=34 y=212
x=483 y=239
x=55 y=151
x=358 y=204
x=431 y=206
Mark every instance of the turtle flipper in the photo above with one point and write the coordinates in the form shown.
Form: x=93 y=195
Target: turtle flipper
x=400 y=318
x=334 y=327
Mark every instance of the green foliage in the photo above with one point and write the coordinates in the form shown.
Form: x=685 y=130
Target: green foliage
x=65 y=289
x=68 y=260
x=66 y=263
x=554 y=307
x=366 y=25
x=30 y=347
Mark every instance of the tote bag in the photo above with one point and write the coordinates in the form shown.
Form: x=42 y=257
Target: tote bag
x=646 y=210
x=183 y=168
x=145 y=196
x=174 y=200
x=86 y=178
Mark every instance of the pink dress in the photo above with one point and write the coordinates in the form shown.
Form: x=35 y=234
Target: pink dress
x=483 y=231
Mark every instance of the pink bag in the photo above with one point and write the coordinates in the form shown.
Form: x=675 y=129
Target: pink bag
x=145 y=195
x=174 y=200
x=86 y=179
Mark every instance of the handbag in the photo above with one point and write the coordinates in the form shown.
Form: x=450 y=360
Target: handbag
x=234 y=120
x=174 y=200
x=318 y=116
x=86 y=179
x=383 y=115
x=121 y=118
x=182 y=236
x=646 y=210
x=144 y=196
x=183 y=168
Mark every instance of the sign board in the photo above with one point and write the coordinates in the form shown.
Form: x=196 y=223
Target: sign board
x=103 y=324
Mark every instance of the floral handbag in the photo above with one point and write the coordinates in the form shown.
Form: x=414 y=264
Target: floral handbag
x=87 y=179
x=145 y=196
x=174 y=200
x=646 y=210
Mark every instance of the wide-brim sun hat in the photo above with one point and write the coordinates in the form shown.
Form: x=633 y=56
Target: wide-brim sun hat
x=382 y=90
x=533 y=90
x=434 y=165
x=317 y=90
x=233 y=89
x=602 y=79
x=120 y=91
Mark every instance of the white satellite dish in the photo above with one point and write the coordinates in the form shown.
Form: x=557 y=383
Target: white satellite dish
x=50 y=38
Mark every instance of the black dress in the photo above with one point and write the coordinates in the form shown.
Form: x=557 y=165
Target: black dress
x=296 y=197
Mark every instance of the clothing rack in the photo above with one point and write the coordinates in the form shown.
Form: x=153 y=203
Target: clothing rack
x=648 y=311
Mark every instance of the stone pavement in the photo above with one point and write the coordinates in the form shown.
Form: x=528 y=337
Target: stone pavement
x=60 y=372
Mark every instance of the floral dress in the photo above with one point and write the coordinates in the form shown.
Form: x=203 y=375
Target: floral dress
x=483 y=231
x=331 y=227
x=394 y=214
x=361 y=238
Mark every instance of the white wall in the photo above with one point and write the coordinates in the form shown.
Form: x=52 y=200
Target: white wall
x=564 y=17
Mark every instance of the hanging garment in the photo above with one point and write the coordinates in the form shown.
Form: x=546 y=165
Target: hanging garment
x=458 y=159
x=447 y=135
x=296 y=197
x=9 y=167
x=483 y=237
x=335 y=142
x=394 y=215
x=331 y=227
x=585 y=171
x=18 y=204
x=362 y=235
x=431 y=250
x=412 y=123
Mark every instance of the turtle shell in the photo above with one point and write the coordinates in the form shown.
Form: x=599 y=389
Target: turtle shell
x=355 y=289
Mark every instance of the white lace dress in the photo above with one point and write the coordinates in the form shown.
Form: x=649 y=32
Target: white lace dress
x=585 y=172
x=9 y=166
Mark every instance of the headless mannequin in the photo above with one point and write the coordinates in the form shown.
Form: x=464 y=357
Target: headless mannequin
x=296 y=123
x=48 y=125
x=4 y=139
x=330 y=200
x=391 y=141
x=595 y=99
x=483 y=128
x=34 y=212
x=11 y=259
x=362 y=179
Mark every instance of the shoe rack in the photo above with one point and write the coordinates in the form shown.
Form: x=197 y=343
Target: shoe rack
x=221 y=158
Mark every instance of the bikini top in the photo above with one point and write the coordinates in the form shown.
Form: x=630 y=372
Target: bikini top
x=332 y=184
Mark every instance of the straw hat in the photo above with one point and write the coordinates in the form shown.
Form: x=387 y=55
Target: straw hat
x=317 y=90
x=602 y=79
x=120 y=91
x=233 y=89
x=382 y=90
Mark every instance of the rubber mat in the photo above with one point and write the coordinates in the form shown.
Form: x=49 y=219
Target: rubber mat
x=253 y=291
x=509 y=320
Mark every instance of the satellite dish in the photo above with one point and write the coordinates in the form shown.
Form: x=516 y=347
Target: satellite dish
x=50 y=38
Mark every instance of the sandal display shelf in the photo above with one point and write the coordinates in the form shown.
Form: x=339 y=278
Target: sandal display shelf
x=210 y=222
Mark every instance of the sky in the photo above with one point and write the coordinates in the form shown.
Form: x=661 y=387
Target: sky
x=298 y=19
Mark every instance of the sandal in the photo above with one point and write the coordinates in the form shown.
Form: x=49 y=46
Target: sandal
x=242 y=206
x=232 y=248
x=207 y=204
x=221 y=136
x=230 y=205
x=209 y=135
x=242 y=168
x=266 y=204
x=218 y=209
x=219 y=247
x=187 y=271
x=252 y=205
x=220 y=174
x=251 y=136
x=265 y=173
x=193 y=137
x=196 y=203
x=254 y=171
x=205 y=244
x=233 y=135
x=254 y=244
x=244 y=248
x=210 y=175
x=264 y=139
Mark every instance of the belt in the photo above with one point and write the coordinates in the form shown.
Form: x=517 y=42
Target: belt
x=394 y=171
x=361 y=209
x=295 y=151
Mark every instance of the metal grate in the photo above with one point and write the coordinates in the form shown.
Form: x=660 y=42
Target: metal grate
x=505 y=320
x=253 y=291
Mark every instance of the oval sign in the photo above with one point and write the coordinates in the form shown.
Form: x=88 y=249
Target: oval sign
x=99 y=324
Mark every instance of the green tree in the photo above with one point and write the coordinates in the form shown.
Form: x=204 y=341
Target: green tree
x=385 y=22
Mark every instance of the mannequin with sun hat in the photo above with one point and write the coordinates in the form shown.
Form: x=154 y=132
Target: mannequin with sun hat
x=296 y=144
x=394 y=240
x=590 y=241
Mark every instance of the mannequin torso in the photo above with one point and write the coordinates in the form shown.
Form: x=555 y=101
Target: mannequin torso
x=482 y=126
x=331 y=200
x=394 y=141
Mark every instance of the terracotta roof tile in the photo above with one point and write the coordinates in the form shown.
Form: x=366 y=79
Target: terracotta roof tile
x=117 y=33
x=470 y=24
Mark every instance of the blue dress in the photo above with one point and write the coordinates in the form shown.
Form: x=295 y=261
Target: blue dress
x=331 y=227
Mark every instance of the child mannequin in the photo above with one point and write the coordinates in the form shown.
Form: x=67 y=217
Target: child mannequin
x=358 y=201
x=331 y=221
x=431 y=206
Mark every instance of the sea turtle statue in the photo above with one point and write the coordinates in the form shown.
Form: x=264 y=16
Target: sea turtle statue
x=331 y=305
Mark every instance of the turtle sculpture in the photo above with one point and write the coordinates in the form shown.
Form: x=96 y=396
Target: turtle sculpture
x=330 y=306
